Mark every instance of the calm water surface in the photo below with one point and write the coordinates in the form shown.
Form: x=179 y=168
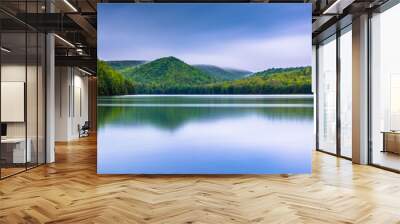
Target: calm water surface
x=187 y=134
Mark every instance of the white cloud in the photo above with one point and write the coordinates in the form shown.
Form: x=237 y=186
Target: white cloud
x=254 y=54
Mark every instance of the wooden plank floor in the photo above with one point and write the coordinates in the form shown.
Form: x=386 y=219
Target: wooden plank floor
x=70 y=191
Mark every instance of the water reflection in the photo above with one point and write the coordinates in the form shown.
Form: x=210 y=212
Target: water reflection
x=195 y=134
x=170 y=112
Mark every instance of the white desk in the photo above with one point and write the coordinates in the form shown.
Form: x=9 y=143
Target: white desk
x=19 y=153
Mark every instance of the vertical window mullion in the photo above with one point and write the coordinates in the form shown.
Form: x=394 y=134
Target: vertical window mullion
x=317 y=96
x=26 y=86
x=369 y=95
x=37 y=90
x=338 y=80
x=0 y=91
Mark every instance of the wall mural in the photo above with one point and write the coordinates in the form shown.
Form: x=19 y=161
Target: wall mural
x=204 y=89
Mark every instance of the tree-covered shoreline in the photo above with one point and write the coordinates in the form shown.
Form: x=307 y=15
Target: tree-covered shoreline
x=172 y=76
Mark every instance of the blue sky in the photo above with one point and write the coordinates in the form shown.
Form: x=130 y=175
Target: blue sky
x=244 y=36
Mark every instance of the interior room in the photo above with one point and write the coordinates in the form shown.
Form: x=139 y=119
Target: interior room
x=49 y=96
x=25 y=66
x=22 y=102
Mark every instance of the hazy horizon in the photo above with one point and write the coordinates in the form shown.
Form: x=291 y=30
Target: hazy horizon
x=252 y=37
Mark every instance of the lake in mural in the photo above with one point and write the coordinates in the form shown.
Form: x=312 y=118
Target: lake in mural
x=205 y=134
x=204 y=88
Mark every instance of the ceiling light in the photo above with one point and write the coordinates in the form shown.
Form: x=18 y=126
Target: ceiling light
x=327 y=11
x=86 y=72
x=79 y=51
x=70 y=5
x=5 y=50
x=65 y=41
x=337 y=7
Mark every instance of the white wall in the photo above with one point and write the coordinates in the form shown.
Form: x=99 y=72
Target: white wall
x=80 y=102
x=62 y=83
x=71 y=94
x=13 y=101
x=14 y=72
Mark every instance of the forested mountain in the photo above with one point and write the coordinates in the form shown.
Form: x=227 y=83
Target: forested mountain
x=271 y=81
x=169 y=71
x=170 y=75
x=110 y=82
x=223 y=73
x=120 y=65
x=126 y=68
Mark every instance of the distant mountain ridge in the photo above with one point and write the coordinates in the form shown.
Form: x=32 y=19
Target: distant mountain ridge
x=118 y=65
x=224 y=73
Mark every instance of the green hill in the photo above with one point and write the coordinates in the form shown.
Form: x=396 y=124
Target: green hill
x=223 y=73
x=110 y=82
x=127 y=67
x=169 y=71
x=272 y=71
x=271 y=81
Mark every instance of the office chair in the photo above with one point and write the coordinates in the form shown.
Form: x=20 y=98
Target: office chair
x=84 y=130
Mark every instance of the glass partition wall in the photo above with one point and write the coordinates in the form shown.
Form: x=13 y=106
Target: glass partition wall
x=13 y=89
x=385 y=89
x=345 y=91
x=22 y=78
x=334 y=105
x=334 y=71
x=327 y=95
